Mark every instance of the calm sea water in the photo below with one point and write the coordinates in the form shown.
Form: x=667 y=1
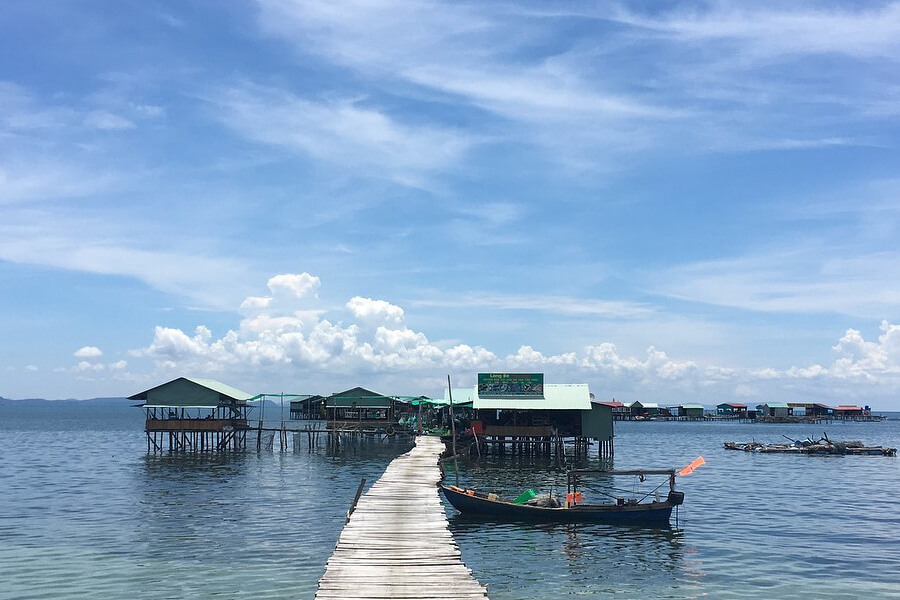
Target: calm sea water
x=85 y=512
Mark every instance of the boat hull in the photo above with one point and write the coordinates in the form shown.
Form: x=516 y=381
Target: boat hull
x=651 y=513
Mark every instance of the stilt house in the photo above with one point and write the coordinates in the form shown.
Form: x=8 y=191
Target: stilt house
x=189 y=414
x=541 y=415
x=359 y=409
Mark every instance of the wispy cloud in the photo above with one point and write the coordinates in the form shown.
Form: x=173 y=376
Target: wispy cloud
x=766 y=30
x=47 y=180
x=100 y=119
x=704 y=84
x=343 y=132
x=810 y=280
x=40 y=237
x=548 y=304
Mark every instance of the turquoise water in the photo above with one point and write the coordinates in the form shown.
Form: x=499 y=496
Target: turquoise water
x=86 y=513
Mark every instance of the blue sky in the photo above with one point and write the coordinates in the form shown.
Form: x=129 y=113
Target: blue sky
x=669 y=201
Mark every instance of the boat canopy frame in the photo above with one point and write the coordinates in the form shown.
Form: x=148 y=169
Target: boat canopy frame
x=573 y=476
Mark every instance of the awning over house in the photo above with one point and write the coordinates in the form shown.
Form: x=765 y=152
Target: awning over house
x=557 y=396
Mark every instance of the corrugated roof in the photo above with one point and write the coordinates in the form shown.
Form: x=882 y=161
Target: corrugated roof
x=210 y=384
x=358 y=396
x=776 y=404
x=700 y=406
x=557 y=396
x=218 y=386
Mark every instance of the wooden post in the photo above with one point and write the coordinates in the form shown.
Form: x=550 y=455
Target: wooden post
x=356 y=498
x=452 y=429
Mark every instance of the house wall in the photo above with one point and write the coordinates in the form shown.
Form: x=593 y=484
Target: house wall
x=597 y=423
x=566 y=422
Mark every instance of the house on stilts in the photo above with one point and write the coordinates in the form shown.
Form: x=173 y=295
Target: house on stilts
x=518 y=412
x=189 y=414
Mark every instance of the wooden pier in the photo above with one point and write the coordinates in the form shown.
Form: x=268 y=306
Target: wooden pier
x=396 y=543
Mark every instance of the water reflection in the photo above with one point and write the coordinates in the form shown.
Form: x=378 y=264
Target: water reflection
x=594 y=558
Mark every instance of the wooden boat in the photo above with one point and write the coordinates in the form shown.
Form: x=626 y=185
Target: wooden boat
x=632 y=511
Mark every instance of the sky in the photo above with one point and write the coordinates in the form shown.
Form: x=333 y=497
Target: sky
x=669 y=201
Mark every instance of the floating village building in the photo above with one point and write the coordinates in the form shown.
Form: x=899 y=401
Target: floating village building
x=691 y=411
x=195 y=414
x=362 y=410
x=811 y=409
x=308 y=408
x=536 y=421
x=620 y=411
x=732 y=409
x=644 y=409
x=849 y=411
x=775 y=410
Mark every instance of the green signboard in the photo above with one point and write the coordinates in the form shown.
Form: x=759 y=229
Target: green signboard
x=510 y=385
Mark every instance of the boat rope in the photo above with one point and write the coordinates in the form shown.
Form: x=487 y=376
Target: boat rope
x=656 y=489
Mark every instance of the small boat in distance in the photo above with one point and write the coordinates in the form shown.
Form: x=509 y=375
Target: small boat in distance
x=649 y=510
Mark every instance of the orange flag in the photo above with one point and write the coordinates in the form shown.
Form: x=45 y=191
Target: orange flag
x=689 y=468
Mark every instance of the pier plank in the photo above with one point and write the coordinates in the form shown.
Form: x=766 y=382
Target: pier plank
x=397 y=544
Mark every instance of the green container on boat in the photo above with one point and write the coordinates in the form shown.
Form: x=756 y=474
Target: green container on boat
x=524 y=497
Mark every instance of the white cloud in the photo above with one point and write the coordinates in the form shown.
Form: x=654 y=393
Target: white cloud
x=82 y=243
x=344 y=132
x=85 y=366
x=88 y=352
x=561 y=305
x=804 y=278
x=37 y=179
x=702 y=81
x=375 y=312
x=107 y=121
x=149 y=111
x=787 y=30
x=298 y=286
x=861 y=358
x=377 y=342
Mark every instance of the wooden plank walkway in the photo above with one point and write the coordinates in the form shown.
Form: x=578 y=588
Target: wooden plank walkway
x=397 y=543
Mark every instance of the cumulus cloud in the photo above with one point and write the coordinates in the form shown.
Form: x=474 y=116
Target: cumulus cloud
x=88 y=352
x=286 y=291
x=89 y=366
x=375 y=312
x=861 y=358
x=369 y=337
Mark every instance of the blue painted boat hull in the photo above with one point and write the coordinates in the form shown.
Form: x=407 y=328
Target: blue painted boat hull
x=650 y=513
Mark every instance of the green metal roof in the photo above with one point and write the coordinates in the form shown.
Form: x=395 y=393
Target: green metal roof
x=194 y=392
x=358 y=396
x=225 y=390
x=776 y=404
x=557 y=396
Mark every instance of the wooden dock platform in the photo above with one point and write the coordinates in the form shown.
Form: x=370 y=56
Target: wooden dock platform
x=397 y=544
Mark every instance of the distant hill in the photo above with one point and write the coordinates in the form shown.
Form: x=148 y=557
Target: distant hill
x=94 y=401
